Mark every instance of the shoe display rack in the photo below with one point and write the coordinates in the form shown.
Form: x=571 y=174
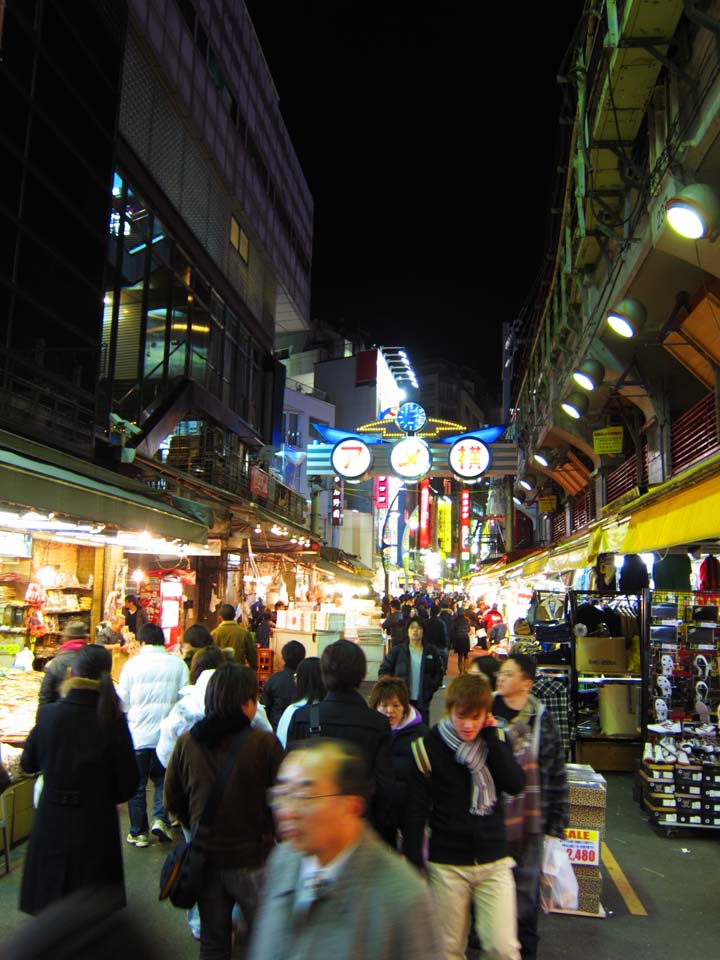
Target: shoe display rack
x=680 y=772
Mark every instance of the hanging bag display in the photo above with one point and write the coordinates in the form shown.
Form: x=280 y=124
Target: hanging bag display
x=182 y=873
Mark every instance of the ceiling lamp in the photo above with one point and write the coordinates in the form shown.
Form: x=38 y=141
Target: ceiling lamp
x=695 y=212
x=589 y=375
x=528 y=482
x=627 y=317
x=576 y=405
x=542 y=456
x=519 y=498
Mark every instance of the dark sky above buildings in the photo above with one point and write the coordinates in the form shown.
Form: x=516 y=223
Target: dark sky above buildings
x=428 y=134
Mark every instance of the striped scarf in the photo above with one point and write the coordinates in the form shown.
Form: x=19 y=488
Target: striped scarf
x=523 y=814
x=473 y=756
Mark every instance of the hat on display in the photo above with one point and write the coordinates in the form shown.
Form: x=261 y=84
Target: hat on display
x=75 y=630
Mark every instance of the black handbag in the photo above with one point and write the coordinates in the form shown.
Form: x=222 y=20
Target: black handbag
x=182 y=874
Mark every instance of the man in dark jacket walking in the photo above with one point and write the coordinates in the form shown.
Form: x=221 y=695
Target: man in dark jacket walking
x=436 y=633
x=279 y=690
x=344 y=715
x=542 y=809
x=394 y=624
x=418 y=663
x=75 y=637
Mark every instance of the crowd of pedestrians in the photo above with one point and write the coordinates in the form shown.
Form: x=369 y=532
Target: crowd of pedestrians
x=344 y=826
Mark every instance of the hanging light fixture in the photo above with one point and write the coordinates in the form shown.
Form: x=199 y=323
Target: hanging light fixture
x=589 y=375
x=519 y=498
x=695 y=212
x=576 y=405
x=528 y=482
x=542 y=456
x=627 y=317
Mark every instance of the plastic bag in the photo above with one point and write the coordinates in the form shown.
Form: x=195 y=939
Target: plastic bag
x=558 y=883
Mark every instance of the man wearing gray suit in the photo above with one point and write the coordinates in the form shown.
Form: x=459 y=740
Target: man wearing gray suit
x=333 y=888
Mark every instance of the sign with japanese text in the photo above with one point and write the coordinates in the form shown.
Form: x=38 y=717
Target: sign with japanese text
x=382 y=493
x=444 y=527
x=547 y=504
x=465 y=524
x=351 y=458
x=338 y=493
x=582 y=846
x=608 y=440
x=424 y=528
x=411 y=458
x=258 y=482
x=469 y=458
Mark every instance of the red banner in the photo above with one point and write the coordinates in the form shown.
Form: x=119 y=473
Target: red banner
x=465 y=524
x=382 y=493
x=424 y=511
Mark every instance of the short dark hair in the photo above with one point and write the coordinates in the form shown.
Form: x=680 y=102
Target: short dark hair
x=293 y=653
x=94 y=662
x=395 y=604
x=308 y=680
x=350 y=774
x=205 y=658
x=229 y=688
x=486 y=665
x=226 y=611
x=385 y=689
x=343 y=665
x=131 y=598
x=198 y=636
x=526 y=663
x=152 y=634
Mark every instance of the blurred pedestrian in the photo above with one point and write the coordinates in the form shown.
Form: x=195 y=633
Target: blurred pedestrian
x=461 y=639
x=280 y=690
x=231 y=634
x=333 y=889
x=75 y=636
x=195 y=638
x=82 y=746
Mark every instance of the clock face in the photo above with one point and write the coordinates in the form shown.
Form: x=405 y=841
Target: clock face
x=411 y=458
x=411 y=417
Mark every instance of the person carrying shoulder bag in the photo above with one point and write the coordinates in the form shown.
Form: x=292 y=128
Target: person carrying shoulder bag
x=242 y=832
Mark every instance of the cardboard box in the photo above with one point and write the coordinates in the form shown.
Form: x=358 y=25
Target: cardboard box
x=692 y=818
x=688 y=776
x=687 y=803
x=589 y=888
x=665 y=801
x=656 y=786
x=19 y=807
x=619 y=709
x=600 y=655
x=587 y=794
x=659 y=771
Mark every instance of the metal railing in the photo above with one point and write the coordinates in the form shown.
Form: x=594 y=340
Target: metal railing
x=623 y=478
x=694 y=435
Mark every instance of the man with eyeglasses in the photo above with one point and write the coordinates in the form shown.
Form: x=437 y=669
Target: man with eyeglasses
x=542 y=808
x=333 y=888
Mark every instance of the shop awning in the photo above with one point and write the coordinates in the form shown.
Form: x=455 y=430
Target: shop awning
x=340 y=573
x=687 y=516
x=56 y=489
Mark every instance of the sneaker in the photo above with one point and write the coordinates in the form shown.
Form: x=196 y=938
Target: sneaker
x=668 y=726
x=161 y=830
x=138 y=839
x=648 y=753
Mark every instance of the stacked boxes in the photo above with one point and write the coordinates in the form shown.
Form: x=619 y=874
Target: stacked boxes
x=588 y=799
x=659 y=790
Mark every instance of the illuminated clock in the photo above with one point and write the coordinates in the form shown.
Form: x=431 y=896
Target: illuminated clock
x=411 y=458
x=411 y=417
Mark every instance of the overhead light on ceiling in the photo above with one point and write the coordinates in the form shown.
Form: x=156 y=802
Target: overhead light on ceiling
x=519 y=498
x=576 y=405
x=528 y=482
x=695 y=212
x=589 y=375
x=627 y=317
x=542 y=456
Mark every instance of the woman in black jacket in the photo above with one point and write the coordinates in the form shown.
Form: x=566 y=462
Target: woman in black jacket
x=462 y=767
x=419 y=664
x=83 y=747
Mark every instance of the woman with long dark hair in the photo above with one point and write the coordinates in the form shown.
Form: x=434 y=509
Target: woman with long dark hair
x=242 y=833
x=82 y=746
x=310 y=688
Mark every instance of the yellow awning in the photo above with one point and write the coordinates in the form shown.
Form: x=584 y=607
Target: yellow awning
x=688 y=516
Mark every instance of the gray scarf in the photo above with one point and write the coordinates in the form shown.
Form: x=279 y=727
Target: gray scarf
x=473 y=756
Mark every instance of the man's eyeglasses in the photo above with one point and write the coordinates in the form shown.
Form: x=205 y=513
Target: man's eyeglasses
x=280 y=797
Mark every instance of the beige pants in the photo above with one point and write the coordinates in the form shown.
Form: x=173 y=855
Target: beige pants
x=492 y=890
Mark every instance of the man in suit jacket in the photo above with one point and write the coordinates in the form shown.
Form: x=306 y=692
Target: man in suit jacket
x=333 y=888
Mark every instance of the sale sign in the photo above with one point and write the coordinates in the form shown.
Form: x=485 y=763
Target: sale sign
x=582 y=846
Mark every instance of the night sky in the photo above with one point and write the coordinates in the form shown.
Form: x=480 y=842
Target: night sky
x=428 y=134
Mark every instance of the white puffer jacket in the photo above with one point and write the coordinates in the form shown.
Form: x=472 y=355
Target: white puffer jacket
x=148 y=687
x=188 y=710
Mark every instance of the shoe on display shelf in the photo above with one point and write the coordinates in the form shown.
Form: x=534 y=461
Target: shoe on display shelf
x=648 y=753
x=138 y=839
x=667 y=727
x=664 y=686
x=702 y=667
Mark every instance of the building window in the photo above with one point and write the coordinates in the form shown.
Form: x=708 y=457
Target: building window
x=239 y=239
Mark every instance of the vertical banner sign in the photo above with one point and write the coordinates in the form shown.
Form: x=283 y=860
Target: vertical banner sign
x=465 y=524
x=424 y=529
x=337 y=501
x=444 y=527
x=382 y=493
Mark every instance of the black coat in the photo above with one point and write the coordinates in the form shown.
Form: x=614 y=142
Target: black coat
x=88 y=769
x=345 y=716
x=278 y=692
x=397 y=664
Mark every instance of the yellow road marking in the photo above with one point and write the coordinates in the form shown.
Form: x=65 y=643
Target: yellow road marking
x=632 y=901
